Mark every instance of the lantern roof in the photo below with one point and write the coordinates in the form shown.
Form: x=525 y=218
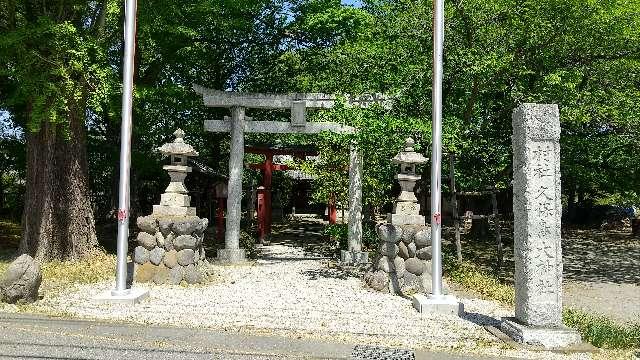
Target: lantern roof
x=178 y=146
x=408 y=156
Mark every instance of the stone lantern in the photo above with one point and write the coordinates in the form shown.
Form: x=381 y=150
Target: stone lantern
x=170 y=241
x=404 y=263
x=406 y=210
x=176 y=201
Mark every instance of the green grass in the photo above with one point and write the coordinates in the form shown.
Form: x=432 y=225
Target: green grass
x=471 y=277
x=597 y=330
x=601 y=331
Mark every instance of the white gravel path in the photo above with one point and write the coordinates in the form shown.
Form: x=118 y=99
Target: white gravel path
x=291 y=293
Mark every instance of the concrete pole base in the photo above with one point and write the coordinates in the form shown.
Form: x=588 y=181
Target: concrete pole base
x=231 y=256
x=548 y=337
x=354 y=257
x=129 y=296
x=443 y=304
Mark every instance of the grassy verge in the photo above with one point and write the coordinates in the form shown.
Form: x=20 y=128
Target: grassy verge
x=601 y=331
x=597 y=330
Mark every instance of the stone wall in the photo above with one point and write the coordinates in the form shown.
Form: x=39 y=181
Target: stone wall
x=170 y=249
x=404 y=263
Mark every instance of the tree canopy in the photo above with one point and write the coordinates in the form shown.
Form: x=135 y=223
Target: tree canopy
x=64 y=57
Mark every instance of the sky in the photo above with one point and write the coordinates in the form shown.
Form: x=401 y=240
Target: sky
x=352 y=2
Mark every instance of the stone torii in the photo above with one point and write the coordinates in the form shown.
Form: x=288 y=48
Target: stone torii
x=238 y=124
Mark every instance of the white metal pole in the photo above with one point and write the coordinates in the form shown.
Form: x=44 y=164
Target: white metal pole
x=125 y=148
x=436 y=151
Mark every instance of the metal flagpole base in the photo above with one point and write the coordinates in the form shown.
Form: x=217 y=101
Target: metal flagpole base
x=441 y=304
x=127 y=296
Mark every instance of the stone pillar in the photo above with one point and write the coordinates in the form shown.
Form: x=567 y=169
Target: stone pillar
x=537 y=212
x=354 y=253
x=232 y=251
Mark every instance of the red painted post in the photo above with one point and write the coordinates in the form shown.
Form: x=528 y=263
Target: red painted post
x=333 y=213
x=262 y=215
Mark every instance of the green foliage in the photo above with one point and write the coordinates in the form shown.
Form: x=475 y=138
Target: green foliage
x=467 y=275
x=601 y=331
x=248 y=243
x=339 y=233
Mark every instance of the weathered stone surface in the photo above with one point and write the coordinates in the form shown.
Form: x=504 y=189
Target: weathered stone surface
x=185 y=257
x=162 y=275
x=186 y=226
x=168 y=242
x=384 y=264
x=145 y=272
x=389 y=233
x=556 y=337
x=424 y=253
x=388 y=249
x=354 y=240
x=156 y=255
x=192 y=275
x=140 y=255
x=147 y=240
x=185 y=242
x=21 y=281
x=411 y=249
x=171 y=259
x=203 y=255
x=414 y=266
x=395 y=283
x=537 y=210
x=176 y=275
x=147 y=224
x=234 y=189
x=423 y=238
x=412 y=284
x=202 y=225
x=160 y=239
x=378 y=280
x=164 y=224
x=409 y=232
x=398 y=267
x=403 y=252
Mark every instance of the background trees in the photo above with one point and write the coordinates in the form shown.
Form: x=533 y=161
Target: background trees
x=60 y=68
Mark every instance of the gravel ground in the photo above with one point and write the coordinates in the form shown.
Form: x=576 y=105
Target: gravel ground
x=293 y=293
x=297 y=293
x=602 y=273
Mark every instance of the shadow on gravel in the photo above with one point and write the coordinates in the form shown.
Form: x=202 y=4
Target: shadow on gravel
x=328 y=274
x=480 y=319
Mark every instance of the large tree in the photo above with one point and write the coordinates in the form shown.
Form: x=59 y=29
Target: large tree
x=52 y=71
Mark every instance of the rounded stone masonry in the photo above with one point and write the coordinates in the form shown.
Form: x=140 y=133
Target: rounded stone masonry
x=147 y=240
x=170 y=250
x=156 y=255
x=140 y=255
x=404 y=264
x=389 y=233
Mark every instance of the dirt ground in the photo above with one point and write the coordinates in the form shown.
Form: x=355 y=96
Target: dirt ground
x=601 y=268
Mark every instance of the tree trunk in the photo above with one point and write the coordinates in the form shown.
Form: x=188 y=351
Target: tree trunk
x=57 y=221
x=1 y=190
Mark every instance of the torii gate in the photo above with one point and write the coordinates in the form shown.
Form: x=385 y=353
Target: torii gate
x=264 y=190
x=238 y=124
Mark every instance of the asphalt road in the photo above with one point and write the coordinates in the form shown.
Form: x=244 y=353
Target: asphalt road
x=38 y=337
